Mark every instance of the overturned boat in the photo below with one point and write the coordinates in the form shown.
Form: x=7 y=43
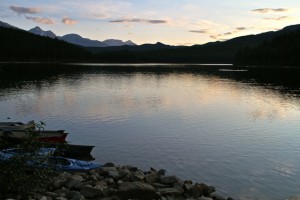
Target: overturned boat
x=17 y=136
x=17 y=125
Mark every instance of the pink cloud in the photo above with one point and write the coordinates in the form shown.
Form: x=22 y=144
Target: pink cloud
x=69 y=21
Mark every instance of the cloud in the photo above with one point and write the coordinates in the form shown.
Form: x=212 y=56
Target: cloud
x=277 y=18
x=235 y=31
x=41 y=20
x=268 y=10
x=69 y=21
x=24 y=10
x=203 y=31
x=139 y=20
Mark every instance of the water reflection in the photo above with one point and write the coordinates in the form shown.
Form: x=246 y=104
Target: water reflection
x=236 y=131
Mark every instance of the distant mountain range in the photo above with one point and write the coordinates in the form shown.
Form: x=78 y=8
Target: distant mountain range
x=79 y=40
x=118 y=51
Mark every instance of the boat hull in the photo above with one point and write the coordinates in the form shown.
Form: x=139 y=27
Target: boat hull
x=58 y=136
x=17 y=125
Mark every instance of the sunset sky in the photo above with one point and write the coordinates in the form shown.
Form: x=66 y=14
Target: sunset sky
x=175 y=22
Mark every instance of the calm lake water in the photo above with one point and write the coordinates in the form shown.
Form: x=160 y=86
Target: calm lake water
x=235 y=130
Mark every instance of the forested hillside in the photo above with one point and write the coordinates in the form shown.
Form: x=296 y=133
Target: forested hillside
x=283 y=50
x=19 y=45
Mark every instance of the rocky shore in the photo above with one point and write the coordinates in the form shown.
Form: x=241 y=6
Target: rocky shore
x=113 y=182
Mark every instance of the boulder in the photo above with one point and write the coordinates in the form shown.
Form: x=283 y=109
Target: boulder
x=151 y=178
x=60 y=198
x=169 y=180
x=137 y=176
x=109 y=165
x=171 y=191
x=51 y=194
x=136 y=190
x=58 y=183
x=62 y=192
x=207 y=190
x=80 y=185
x=72 y=194
x=161 y=172
x=159 y=185
x=91 y=192
x=204 y=198
x=123 y=173
x=217 y=197
x=73 y=180
x=195 y=191
x=113 y=174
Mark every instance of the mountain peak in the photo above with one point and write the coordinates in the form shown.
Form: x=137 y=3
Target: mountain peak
x=38 y=31
x=37 y=28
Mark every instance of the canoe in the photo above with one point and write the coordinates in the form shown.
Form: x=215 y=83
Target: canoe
x=55 y=136
x=17 y=125
x=70 y=150
x=52 y=162
x=71 y=165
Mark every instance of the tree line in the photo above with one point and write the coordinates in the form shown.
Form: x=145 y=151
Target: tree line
x=283 y=50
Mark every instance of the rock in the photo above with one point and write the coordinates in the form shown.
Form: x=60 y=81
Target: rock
x=82 y=184
x=151 y=178
x=43 y=198
x=188 y=182
x=108 y=181
x=161 y=172
x=204 y=198
x=91 y=192
x=195 y=191
x=80 y=197
x=73 y=180
x=207 y=190
x=72 y=194
x=136 y=190
x=159 y=185
x=169 y=180
x=102 y=185
x=187 y=186
x=120 y=182
x=217 y=197
x=62 y=192
x=51 y=194
x=58 y=183
x=110 y=192
x=170 y=191
x=60 y=198
x=107 y=169
x=137 y=176
x=113 y=174
x=124 y=172
x=109 y=165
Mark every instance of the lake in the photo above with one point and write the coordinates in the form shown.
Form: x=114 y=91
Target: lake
x=237 y=130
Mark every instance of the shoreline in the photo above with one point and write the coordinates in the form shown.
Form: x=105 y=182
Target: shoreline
x=115 y=182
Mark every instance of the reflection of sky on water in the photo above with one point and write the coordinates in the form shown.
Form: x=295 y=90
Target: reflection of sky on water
x=241 y=137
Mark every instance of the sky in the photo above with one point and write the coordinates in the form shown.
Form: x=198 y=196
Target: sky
x=174 y=22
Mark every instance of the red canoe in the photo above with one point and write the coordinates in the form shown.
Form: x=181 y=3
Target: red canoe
x=57 y=136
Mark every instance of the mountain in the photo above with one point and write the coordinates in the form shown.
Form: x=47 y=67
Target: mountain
x=86 y=42
x=20 y=45
x=143 y=47
x=6 y=25
x=282 y=50
x=78 y=40
x=213 y=52
x=38 y=31
x=114 y=43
